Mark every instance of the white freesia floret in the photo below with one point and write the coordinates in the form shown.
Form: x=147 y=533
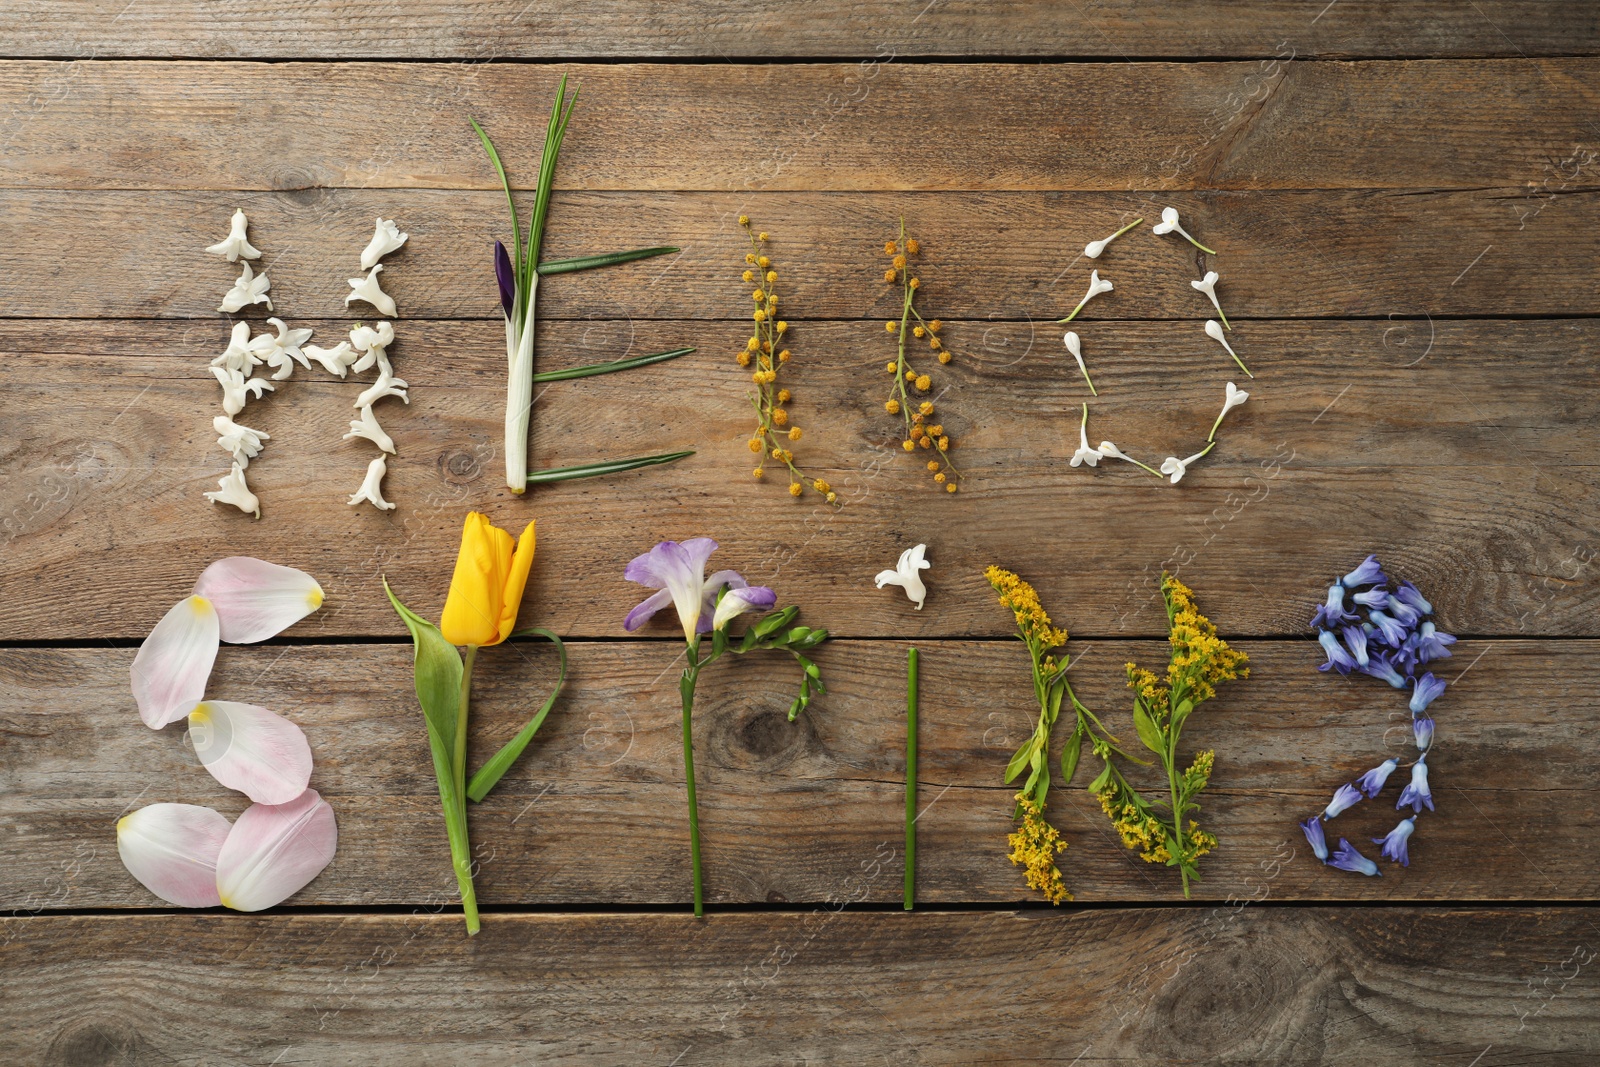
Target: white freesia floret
x=281 y=352
x=251 y=288
x=241 y=441
x=237 y=390
x=335 y=360
x=235 y=245
x=1071 y=341
x=1169 y=224
x=233 y=490
x=372 y=486
x=239 y=356
x=368 y=289
x=907 y=574
x=386 y=385
x=386 y=237
x=1176 y=468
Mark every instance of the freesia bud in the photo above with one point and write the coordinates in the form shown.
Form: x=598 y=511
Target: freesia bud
x=1094 y=248
x=1071 y=341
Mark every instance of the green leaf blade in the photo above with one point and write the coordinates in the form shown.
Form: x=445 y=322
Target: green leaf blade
x=490 y=773
x=592 y=470
x=592 y=369
x=605 y=259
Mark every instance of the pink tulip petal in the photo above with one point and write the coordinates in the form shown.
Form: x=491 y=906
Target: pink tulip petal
x=273 y=851
x=255 y=599
x=248 y=748
x=172 y=849
x=171 y=669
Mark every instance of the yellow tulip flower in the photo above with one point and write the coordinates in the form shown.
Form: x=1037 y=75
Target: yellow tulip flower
x=486 y=588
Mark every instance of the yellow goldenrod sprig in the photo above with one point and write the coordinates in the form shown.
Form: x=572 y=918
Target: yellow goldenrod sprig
x=1161 y=705
x=775 y=430
x=1034 y=845
x=922 y=430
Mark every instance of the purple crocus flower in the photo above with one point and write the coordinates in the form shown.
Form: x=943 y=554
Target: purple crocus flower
x=1369 y=573
x=1348 y=859
x=1373 y=598
x=1392 y=631
x=1344 y=797
x=1408 y=615
x=1431 y=644
x=1417 y=794
x=504 y=274
x=1380 y=665
x=1332 y=613
x=1355 y=639
x=1412 y=596
x=677 y=572
x=1338 y=659
x=1427 y=691
x=1371 y=783
x=1422 y=730
x=1312 y=828
x=1394 y=843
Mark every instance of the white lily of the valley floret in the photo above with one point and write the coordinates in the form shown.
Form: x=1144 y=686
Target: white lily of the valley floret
x=282 y=351
x=386 y=385
x=1097 y=285
x=1094 y=248
x=1169 y=224
x=1208 y=286
x=906 y=574
x=335 y=360
x=367 y=427
x=241 y=441
x=235 y=245
x=1085 y=454
x=237 y=390
x=1071 y=341
x=233 y=490
x=251 y=288
x=1231 y=399
x=372 y=486
x=1176 y=468
x=238 y=357
x=1214 y=331
x=386 y=237
x=368 y=289
x=373 y=344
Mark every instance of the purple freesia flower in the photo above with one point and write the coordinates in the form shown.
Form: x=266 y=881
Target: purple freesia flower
x=1332 y=613
x=1431 y=644
x=1422 y=730
x=1392 y=630
x=1412 y=596
x=1381 y=665
x=1344 y=797
x=1369 y=573
x=1426 y=692
x=1348 y=859
x=1355 y=639
x=504 y=274
x=1373 y=598
x=1312 y=828
x=1417 y=794
x=1371 y=783
x=1338 y=659
x=1394 y=843
x=677 y=572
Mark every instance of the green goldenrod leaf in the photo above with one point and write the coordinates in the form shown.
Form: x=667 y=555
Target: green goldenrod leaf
x=591 y=470
x=1069 y=756
x=605 y=259
x=1021 y=758
x=590 y=370
x=489 y=774
x=1149 y=733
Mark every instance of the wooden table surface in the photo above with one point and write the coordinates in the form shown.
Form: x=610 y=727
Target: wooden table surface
x=1402 y=196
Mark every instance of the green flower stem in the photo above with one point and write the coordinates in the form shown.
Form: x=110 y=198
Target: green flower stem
x=691 y=674
x=1203 y=248
x=459 y=753
x=911 y=778
x=1124 y=230
x=456 y=811
x=1146 y=466
x=1075 y=311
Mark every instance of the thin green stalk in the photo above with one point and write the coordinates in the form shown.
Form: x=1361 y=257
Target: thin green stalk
x=691 y=674
x=1177 y=819
x=459 y=754
x=911 y=778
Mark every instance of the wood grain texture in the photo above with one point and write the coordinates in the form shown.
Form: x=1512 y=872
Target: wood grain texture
x=1006 y=256
x=1395 y=437
x=1268 y=124
x=486 y=30
x=1116 y=988
x=594 y=813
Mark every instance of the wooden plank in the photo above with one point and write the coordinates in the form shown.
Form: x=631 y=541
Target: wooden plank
x=486 y=30
x=1323 y=986
x=595 y=812
x=1267 y=124
x=1007 y=256
x=1400 y=438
